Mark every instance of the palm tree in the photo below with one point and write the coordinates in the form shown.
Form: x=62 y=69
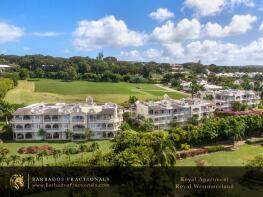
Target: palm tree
x=88 y=133
x=69 y=134
x=56 y=154
x=195 y=87
x=7 y=161
x=30 y=160
x=40 y=156
x=42 y=133
x=2 y=160
x=15 y=159
x=68 y=151
x=83 y=148
x=165 y=156
x=23 y=161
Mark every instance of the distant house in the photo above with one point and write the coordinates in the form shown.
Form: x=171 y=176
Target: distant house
x=2 y=67
x=176 y=67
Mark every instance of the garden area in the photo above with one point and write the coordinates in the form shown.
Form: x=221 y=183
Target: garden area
x=44 y=153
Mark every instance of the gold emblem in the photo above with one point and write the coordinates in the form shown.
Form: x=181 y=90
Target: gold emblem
x=17 y=181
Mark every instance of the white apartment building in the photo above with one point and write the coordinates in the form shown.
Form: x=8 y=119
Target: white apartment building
x=223 y=99
x=58 y=119
x=165 y=111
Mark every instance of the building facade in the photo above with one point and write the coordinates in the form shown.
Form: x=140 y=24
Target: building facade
x=166 y=111
x=63 y=121
x=223 y=99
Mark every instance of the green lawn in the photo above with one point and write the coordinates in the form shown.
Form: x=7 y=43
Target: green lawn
x=105 y=146
x=53 y=91
x=237 y=157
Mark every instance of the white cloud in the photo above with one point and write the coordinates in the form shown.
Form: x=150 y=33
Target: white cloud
x=209 y=51
x=133 y=55
x=105 y=32
x=213 y=7
x=9 y=33
x=161 y=14
x=260 y=29
x=47 y=34
x=26 y=48
x=239 y=24
x=169 y=32
x=205 y=7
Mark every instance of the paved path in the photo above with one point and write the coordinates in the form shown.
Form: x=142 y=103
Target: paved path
x=169 y=89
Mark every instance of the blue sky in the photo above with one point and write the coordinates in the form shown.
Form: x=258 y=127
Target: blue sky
x=224 y=32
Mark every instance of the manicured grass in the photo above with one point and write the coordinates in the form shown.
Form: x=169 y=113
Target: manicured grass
x=53 y=91
x=237 y=157
x=105 y=146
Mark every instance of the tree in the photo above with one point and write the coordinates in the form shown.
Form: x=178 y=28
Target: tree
x=30 y=160
x=147 y=125
x=132 y=99
x=42 y=133
x=195 y=87
x=2 y=160
x=88 y=133
x=15 y=159
x=83 y=148
x=71 y=73
x=39 y=73
x=100 y=55
x=93 y=147
x=145 y=72
x=23 y=74
x=40 y=156
x=69 y=134
x=125 y=126
x=237 y=106
x=56 y=154
x=68 y=151
x=165 y=156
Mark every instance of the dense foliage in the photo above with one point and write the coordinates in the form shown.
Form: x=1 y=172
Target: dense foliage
x=5 y=85
x=107 y=69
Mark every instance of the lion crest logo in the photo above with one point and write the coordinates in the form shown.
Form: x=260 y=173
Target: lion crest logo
x=17 y=181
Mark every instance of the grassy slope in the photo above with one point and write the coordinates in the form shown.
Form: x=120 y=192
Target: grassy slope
x=105 y=146
x=238 y=157
x=56 y=91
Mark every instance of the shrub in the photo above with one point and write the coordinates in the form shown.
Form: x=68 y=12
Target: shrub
x=93 y=147
x=254 y=140
x=36 y=149
x=217 y=148
x=4 y=151
x=191 y=153
x=185 y=146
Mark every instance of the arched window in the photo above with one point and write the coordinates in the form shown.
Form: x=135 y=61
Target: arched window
x=26 y=117
x=47 y=118
x=19 y=136
x=55 y=126
x=78 y=127
x=78 y=118
x=28 y=135
x=56 y=135
x=27 y=126
x=110 y=135
x=110 y=125
x=19 y=127
x=47 y=126
x=55 y=118
x=48 y=136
